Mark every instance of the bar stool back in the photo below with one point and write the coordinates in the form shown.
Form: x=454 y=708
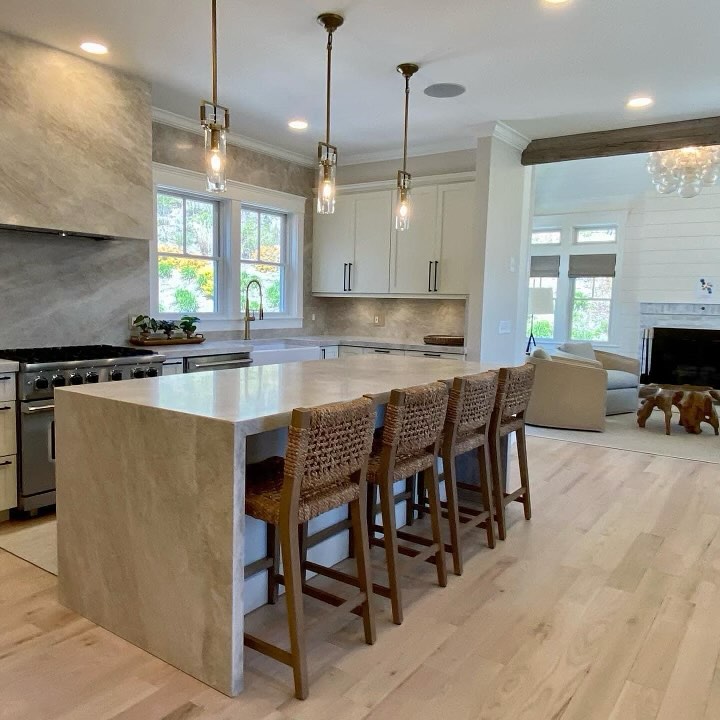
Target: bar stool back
x=325 y=467
x=514 y=389
x=409 y=444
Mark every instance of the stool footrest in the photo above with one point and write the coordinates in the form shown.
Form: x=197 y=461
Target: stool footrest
x=266 y=648
x=344 y=577
x=258 y=566
x=517 y=495
x=426 y=555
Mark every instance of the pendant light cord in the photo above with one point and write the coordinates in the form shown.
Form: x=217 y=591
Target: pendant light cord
x=405 y=136
x=327 y=89
x=214 y=57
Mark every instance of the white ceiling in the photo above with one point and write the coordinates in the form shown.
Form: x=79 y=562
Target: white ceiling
x=544 y=70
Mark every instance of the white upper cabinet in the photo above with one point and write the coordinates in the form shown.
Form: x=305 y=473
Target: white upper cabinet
x=456 y=208
x=414 y=252
x=371 y=267
x=334 y=247
x=357 y=250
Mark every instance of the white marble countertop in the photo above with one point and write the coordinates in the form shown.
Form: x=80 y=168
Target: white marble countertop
x=8 y=366
x=261 y=398
x=224 y=347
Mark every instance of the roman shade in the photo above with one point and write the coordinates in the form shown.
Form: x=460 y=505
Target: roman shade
x=545 y=266
x=592 y=266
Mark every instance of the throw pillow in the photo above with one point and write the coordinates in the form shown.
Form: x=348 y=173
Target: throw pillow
x=583 y=349
x=542 y=354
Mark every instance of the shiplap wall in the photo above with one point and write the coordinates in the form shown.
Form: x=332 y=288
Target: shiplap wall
x=670 y=242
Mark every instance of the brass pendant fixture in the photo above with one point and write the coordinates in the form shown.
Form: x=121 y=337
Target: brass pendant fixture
x=215 y=119
x=327 y=153
x=403 y=205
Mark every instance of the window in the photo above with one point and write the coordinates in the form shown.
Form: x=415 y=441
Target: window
x=542 y=325
x=592 y=297
x=546 y=237
x=595 y=235
x=263 y=252
x=187 y=254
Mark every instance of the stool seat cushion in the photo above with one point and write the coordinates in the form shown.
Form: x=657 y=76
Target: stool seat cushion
x=263 y=493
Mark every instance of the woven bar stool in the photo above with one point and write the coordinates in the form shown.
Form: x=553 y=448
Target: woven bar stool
x=325 y=467
x=514 y=389
x=409 y=444
x=467 y=427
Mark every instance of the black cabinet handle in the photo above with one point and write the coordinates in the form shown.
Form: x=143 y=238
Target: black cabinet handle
x=5 y=377
x=350 y=277
x=435 y=355
x=5 y=407
x=344 y=277
x=435 y=282
x=384 y=352
x=429 y=275
x=5 y=462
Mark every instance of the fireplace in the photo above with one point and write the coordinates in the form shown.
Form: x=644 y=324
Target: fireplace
x=681 y=356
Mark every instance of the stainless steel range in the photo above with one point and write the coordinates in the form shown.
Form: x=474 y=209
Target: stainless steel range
x=41 y=371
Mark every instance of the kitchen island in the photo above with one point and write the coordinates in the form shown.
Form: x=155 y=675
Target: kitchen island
x=152 y=536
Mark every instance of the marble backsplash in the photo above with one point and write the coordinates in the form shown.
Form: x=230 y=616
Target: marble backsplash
x=69 y=291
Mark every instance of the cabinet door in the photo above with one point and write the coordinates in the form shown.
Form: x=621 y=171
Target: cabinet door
x=7 y=427
x=383 y=351
x=8 y=483
x=347 y=350
x=432 y=354
x=7 y=386
x=456 y=210
x=373 y=221
x=172 y=367
x=330 y=352
x=333 y=240
x=414 y=250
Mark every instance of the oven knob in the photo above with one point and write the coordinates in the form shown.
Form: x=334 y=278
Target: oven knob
x=41 y=383
x=92 y=377
x=152 y=372
x=76 y=379
x=138 y=373
x=58 y=381
x=116 y=375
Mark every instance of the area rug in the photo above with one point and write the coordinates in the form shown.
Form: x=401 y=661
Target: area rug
x=34 y=540
x=623 y=433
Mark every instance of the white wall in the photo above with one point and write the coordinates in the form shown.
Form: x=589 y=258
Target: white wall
x=670 y=242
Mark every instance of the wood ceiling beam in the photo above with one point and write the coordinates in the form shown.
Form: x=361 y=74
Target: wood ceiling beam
x=628 y=141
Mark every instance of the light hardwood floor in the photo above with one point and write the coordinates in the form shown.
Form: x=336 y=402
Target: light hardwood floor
x=606 y=605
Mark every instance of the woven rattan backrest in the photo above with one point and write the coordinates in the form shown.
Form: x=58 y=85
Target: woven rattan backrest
x=414 y=417
x=472 y=400
x=514 y=388
x=328 y=443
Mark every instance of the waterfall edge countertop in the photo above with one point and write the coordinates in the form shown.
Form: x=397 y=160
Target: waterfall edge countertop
x=152 y=533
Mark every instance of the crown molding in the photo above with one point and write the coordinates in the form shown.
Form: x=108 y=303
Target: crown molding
x=504 y=133
x=183 y=123
x=416 y=151
x=419 y=181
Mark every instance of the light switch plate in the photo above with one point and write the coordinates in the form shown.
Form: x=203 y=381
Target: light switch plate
x=504 y=328
x=379 y=319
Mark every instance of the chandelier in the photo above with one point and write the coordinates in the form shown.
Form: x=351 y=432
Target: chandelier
x=685 y=170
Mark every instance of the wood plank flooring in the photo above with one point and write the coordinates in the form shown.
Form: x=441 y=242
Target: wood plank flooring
x=605 y=606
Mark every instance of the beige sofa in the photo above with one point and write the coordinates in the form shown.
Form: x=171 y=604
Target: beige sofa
x=575 y=390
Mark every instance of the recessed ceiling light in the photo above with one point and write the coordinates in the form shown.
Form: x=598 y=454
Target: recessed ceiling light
x=639 y=102
x=298 y=124
x=444 y=90
x=556 y=2
x=94 y=48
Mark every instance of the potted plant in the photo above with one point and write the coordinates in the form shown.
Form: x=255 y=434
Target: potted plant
x=168 y=327
x=188 y=324
x=145 y=325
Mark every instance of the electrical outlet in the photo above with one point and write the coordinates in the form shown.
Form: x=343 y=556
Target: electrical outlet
x=504 y=328
x=313 y=317
x=379 y=319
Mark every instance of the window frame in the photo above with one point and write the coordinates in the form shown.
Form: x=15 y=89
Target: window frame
x=229 y=315
x=571 y=299
x=569 y=223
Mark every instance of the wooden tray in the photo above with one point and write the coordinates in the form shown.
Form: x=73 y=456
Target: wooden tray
x=142 y=342
x=449 y=340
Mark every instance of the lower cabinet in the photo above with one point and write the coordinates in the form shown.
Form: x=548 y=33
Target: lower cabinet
x=8 y=422
x=8 y=482
x=172 y=367
x=382 y=351
x=431 y=354
x=346 y=350
x=330 y=353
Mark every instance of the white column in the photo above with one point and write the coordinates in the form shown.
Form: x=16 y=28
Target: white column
x=497 y=301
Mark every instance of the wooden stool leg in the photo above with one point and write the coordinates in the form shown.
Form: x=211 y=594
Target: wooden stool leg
x=410 y=489
x=524 y=474
x=391 y=549
x=351 y=534
x=453 y=513
x=485 y=473
x=302 y=544
x=272 y=551
x=358 y=514
x=421 y=494
x=433 y=489
x=294 y=598
x=371 y=497
x=498 y=491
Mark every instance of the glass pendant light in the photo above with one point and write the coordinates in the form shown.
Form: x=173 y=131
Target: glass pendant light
x=215 y=119
x=403 y=205
x=327 y=153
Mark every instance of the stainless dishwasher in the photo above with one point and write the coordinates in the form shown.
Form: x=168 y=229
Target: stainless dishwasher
x=205 y=363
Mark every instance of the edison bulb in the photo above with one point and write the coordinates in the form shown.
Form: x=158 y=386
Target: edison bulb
x=216 y=162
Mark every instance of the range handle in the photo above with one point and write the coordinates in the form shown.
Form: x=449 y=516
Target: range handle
x=32 y=409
